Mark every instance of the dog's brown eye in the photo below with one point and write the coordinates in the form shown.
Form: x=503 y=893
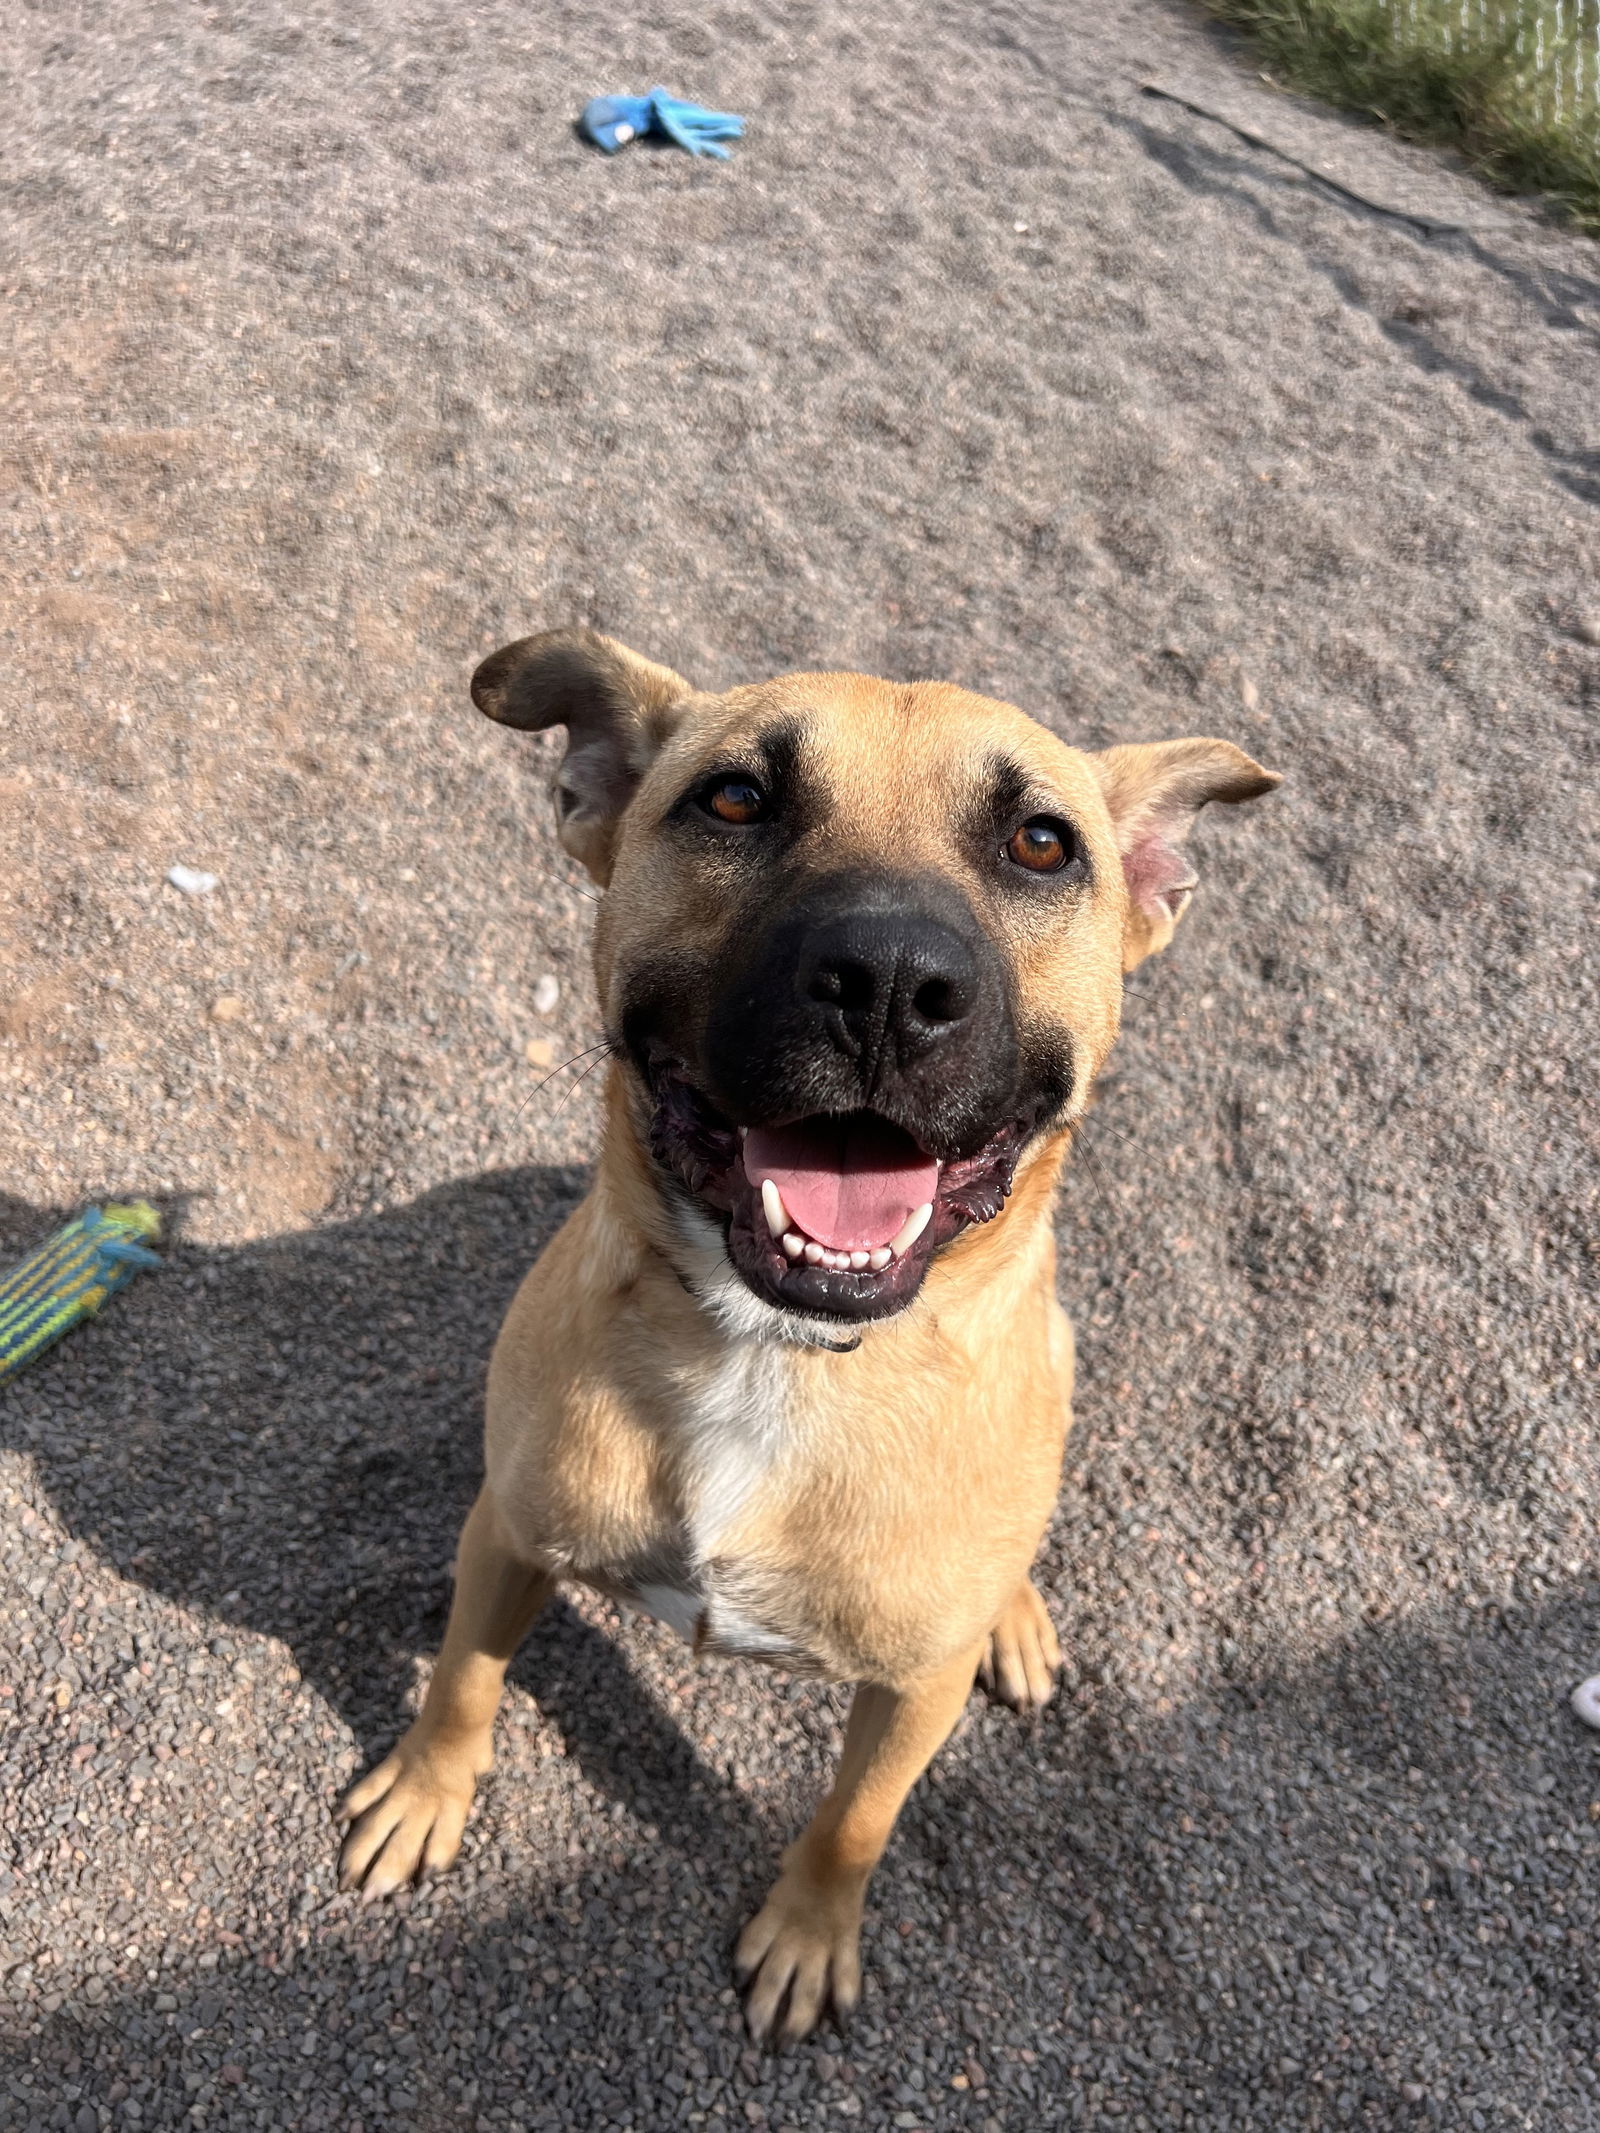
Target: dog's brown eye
x=1042 y=845
x=736 y=800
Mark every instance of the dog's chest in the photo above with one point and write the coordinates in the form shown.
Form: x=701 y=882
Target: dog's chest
x=733 y=1424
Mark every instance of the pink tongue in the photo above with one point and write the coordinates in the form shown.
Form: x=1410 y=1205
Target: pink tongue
x=848 y=1182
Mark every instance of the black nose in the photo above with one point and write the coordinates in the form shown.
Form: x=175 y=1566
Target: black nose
x=888 y=985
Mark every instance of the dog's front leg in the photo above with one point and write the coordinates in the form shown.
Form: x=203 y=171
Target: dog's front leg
x=803 y=1941
x=407 y=1815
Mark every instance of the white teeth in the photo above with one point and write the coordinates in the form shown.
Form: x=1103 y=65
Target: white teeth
x=773 y=1208
x=743 y=1132
x=915 y=1225
x=797 y=1246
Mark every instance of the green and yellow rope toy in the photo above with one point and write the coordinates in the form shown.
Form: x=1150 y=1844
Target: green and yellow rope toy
x=69 y=1277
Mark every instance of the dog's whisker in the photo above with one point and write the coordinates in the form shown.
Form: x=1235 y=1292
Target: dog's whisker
x=580 y=888
x=1092 y=1167
x=605 y=1045
x=574 y=1086
x=1098 y=1123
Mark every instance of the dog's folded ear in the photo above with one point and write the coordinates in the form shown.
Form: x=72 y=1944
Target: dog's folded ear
x=617 y=709
x=1153 y=792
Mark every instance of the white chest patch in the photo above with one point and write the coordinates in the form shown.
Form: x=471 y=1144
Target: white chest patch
x=732 y=1427
x=734 y=1424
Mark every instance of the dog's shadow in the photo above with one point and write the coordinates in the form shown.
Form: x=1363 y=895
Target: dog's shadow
x=286 y=1436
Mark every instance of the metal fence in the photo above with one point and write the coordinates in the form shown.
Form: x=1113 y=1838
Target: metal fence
x=1554 y=46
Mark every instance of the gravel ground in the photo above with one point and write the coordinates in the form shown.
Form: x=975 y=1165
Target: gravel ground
x=331 y=360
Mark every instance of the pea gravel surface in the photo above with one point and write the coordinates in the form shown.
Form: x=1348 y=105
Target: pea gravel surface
x=332 y=358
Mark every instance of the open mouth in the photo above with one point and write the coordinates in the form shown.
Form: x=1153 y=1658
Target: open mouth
x=836 y=1214
x=848 y=1193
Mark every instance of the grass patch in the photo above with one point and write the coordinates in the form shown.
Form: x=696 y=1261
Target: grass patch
x=1525 y=127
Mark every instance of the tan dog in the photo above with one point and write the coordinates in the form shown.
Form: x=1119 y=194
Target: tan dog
x=793 y=1377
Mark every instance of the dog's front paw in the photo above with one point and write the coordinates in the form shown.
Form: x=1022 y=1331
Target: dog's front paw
x=799 y=1957
x=406 y=1816
x=1023 y=1656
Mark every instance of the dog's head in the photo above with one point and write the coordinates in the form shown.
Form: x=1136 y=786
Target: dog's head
x=862 y=943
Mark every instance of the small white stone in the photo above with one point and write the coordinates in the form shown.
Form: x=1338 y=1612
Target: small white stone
x=191 y=881
x=546 y=992
x=1586 y=1701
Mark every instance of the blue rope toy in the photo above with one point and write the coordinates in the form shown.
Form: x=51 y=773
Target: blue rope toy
x=69 y=1277
x=611 y=122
